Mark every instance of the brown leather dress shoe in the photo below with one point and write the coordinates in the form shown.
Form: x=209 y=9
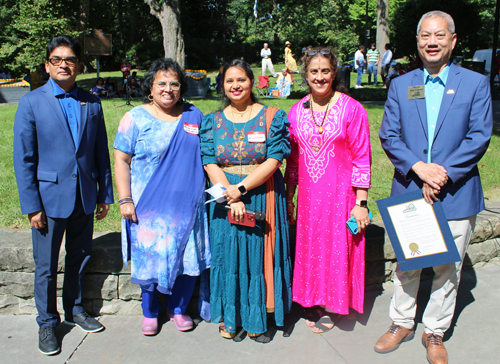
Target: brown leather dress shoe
x=436 y=352
x=391 y=340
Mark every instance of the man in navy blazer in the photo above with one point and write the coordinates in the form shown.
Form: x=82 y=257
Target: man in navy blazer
x=63 y=172
x=436 y=127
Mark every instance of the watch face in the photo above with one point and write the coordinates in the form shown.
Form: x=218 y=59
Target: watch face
x=363 y=203
x=242 y=189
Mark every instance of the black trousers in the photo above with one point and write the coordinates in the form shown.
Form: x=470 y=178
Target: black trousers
x=46 y=246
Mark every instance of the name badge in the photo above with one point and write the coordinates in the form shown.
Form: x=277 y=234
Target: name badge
x=256 y=137
x=191 y=129
x=416 y=92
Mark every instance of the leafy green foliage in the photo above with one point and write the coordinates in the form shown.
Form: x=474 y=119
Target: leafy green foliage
x=465 y=14
x=31 y=24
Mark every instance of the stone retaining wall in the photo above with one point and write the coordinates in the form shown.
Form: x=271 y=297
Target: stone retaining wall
x=108 y=290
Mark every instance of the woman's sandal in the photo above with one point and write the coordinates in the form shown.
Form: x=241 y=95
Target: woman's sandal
x=310 y=323
x=253 y=336
x=314 y=315
x=320 y=325
x=224 y=333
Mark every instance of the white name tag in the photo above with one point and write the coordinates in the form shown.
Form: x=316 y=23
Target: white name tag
x=256 y=136
x=191 y=128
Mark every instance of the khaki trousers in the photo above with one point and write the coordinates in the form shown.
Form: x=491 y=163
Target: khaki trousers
x=267 y=63
x=439 y=311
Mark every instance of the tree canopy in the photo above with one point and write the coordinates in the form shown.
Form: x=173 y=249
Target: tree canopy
x=214 y=30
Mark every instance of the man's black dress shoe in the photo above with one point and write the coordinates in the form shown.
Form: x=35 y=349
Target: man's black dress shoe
x=47 y=341
x=85 y=322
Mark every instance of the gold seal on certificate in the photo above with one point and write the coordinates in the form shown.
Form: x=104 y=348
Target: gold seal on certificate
x=414 y=249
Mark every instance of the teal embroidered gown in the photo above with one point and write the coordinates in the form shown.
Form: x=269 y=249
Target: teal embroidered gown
x=237 y=287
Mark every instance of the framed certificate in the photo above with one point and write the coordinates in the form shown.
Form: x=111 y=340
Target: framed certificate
x=419 y=232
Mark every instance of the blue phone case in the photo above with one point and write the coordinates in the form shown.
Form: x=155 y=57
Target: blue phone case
x=352 y=225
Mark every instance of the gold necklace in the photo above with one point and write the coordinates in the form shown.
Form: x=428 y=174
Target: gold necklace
x=241 y=135
x=320 y=126
x=241 y=132
x=239 y=112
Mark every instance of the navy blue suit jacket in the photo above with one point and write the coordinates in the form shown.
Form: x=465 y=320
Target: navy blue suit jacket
x=46 y=161
x=462 y=135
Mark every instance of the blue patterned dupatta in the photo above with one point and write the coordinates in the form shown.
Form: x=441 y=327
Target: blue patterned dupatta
x=167 y=211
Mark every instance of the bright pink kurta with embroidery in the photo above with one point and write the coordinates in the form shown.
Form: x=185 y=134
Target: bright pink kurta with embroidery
x=329 y=261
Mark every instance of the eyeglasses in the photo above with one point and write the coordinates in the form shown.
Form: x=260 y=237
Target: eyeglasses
x=324 y=52
x=174 y=85
x=56 y=61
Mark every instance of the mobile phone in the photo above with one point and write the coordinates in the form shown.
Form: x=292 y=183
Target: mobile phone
x=248 y=219
x=352 y=225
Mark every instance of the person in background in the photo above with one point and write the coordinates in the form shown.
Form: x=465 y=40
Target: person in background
x=290 y=63
x=265 y=53
x=284 y=83
x=161 y=183
x=112 y=88
x=359 y=63
x=497 y=64
x=133 y=88
x=413 y=65
x=396 y=72
x=242 y=147
x=373 y=58
x=218 y=80
x=134 y=75
x=330 y=163
x=125 y=68
x=386 y=62
x=100 y=89
x=435 y=141
x=5 y=74
x=63 y=174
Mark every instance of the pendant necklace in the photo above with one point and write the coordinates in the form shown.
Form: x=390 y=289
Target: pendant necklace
x=320 y=126
x=317 y=141
x=241 y=133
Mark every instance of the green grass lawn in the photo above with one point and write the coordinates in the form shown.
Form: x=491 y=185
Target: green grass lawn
x=382 y=170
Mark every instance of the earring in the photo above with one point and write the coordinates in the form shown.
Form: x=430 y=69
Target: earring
x=150 y=97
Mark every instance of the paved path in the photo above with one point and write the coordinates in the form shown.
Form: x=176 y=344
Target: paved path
x=472 y=339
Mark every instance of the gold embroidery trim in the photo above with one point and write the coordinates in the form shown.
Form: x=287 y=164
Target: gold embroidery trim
x=242 y=170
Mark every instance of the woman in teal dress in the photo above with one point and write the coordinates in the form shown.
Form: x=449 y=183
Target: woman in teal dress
x=243 y=146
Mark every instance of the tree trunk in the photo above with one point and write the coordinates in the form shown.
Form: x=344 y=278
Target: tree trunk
x=382 y=28
x=83 y=18
x=168 y=13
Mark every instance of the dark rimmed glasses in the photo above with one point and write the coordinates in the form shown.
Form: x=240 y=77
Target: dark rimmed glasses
x=56 y=61
x=174 y=85
x=324 y=52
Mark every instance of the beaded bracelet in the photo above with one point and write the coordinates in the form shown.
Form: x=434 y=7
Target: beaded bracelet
x=125 y=200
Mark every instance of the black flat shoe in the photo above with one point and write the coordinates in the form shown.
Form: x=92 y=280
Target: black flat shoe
x=47 y=341
x=85 y=322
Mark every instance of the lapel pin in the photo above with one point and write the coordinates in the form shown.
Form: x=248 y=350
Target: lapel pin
x=83 y=103
x=450 y=91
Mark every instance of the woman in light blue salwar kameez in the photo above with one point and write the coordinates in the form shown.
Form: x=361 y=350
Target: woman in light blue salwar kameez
x=160 y=183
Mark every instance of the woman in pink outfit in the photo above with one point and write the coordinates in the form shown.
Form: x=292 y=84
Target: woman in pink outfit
x=330 y=163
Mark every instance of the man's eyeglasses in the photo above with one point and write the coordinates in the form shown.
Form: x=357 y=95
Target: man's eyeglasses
x=174 y=85
x=324 y=52
x=56 y=61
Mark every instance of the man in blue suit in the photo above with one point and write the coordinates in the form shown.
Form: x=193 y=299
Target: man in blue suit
x=61 y=160
x=436 y=127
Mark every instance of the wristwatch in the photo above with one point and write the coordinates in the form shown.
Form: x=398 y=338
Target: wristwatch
x=362 y=203
x=241 y=188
